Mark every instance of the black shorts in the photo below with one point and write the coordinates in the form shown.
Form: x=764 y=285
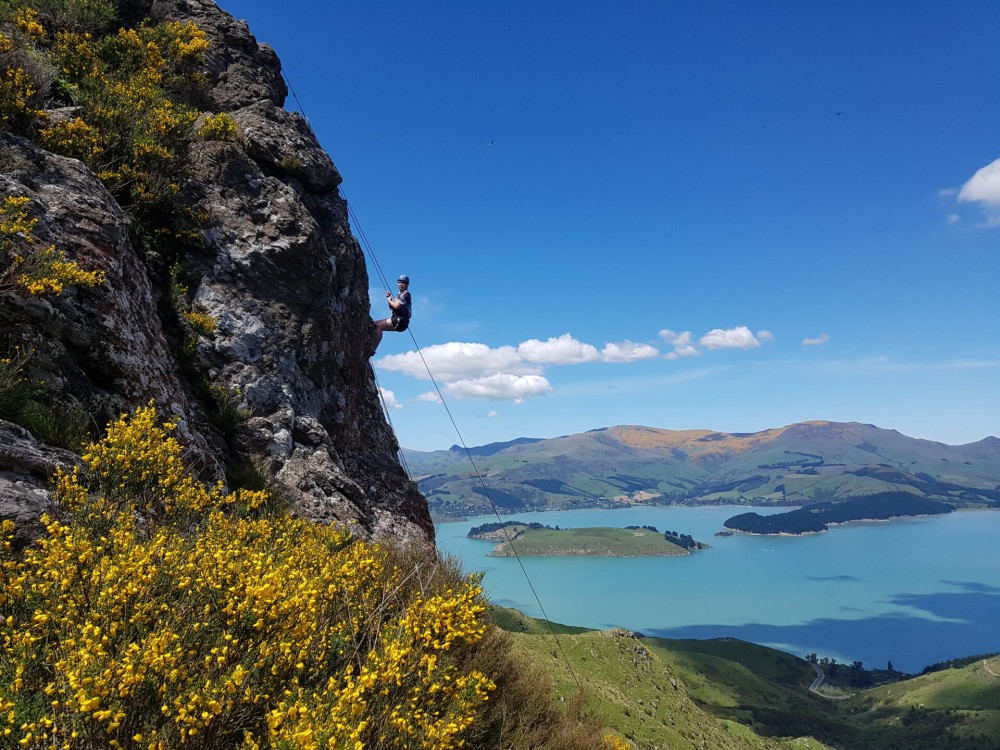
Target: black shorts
x=399 y=324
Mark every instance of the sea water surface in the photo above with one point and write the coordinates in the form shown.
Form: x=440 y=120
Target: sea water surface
x=914 y=591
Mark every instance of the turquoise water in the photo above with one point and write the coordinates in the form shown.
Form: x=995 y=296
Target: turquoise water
x=913 y=591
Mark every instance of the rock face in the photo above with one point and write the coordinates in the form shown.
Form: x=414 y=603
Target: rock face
x=25 y=468
x=278 y=270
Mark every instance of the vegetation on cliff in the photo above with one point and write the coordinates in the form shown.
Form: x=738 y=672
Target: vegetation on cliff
x=86 y=79
x=125 y=92
x=29 y=269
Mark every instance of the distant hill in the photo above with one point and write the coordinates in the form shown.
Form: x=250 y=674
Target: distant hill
x=800 y=464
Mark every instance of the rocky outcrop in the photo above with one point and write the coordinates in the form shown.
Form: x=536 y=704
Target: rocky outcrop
x=278 y=270
x=26 y=466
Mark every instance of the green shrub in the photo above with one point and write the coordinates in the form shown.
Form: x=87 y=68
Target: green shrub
x=82 y=16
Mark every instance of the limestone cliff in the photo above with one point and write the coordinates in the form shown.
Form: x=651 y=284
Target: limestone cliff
x=278 y=270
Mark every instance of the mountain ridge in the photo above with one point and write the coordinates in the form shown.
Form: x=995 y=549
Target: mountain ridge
x=797 y=464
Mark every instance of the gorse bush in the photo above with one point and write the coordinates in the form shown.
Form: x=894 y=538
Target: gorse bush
x=161 y=613
x=220 y=127
x=128 y=129
x=25 y=73
x=75 y=15
x=26 y=267
x=131 y=122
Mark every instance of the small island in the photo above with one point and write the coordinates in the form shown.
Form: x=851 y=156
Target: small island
x=535 y=539
x=820 y=516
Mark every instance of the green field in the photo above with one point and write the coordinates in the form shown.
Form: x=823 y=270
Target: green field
x=599 y=541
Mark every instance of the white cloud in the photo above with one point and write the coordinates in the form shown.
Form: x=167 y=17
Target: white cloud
x=983 y=186
x=681 y=343
x=627 y=351
x=953 y=218
x=458 y=360
x=818 y=341
x=492 y=413
x=732 y=338
x=500 y=386
x=430 y=396
x=564 y=350
x=765 y=335
x=390 y=399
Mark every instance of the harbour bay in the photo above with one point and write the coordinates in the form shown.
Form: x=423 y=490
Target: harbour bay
x=914 y=591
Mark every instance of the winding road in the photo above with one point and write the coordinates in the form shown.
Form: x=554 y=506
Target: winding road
x=814 y=688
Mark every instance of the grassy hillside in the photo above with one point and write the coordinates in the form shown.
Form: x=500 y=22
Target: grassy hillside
x=963 y=702
x=727 y=693
x=631 y=689
x=793 y=465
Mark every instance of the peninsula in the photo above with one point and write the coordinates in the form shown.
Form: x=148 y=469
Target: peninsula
x=819 y=516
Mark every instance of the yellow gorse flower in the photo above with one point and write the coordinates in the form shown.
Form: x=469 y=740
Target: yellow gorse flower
x=27 y=21
x=25 y=268
x=165 y=613
x=220 y=127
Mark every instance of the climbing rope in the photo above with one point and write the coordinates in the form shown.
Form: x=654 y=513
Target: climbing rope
x=510 y=541
x=486 y=492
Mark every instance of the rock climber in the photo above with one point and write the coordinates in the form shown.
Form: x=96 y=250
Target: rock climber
x=400 y=308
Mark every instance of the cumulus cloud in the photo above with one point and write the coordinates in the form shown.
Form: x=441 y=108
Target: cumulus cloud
x=492 y=413
x=458 y=360
x=516 y=373
x=627 y=351
x=765 y=335
x=732 y=338
x=983 y=186
x=983 y=189
x=500 y=386
x=681 y=343
x=390 y=398
x=564 y=350
x=818 y=341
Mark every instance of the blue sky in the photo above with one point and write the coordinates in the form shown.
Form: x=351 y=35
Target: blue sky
x=721 y=215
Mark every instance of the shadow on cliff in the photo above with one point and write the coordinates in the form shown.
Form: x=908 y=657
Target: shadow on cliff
x=949 y=625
